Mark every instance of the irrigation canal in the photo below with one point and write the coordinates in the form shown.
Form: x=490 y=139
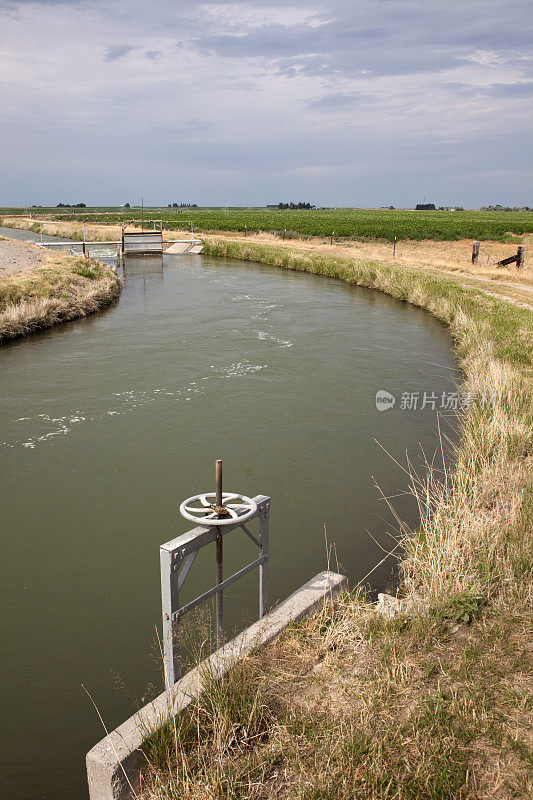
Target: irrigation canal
x=107 y=423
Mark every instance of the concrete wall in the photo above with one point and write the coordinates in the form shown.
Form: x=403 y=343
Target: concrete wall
x=113 y=764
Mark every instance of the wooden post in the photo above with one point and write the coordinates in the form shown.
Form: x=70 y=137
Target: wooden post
x=83 y=248
x=521 y=257
x=245 y=229
x=394 y=248
x=475 y=252
x=331 y=237
x=284 y=233
x=219 y=573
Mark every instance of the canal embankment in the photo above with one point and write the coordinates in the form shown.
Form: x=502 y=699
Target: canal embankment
x=40 y=289
x=430 y=699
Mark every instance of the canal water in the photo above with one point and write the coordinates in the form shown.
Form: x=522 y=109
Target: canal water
x=107 y=423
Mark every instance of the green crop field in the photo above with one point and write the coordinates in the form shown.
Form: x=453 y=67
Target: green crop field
x=341 y=222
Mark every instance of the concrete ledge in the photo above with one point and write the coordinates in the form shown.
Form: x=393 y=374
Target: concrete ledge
x=113 y=764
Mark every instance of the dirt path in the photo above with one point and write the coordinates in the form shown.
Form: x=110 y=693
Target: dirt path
x=18 y=256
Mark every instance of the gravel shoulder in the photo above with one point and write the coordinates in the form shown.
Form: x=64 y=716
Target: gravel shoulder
x=18 y=257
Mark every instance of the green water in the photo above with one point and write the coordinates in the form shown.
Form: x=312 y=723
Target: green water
x=106 y=424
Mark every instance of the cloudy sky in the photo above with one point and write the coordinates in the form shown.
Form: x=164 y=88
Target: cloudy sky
x=351 y=102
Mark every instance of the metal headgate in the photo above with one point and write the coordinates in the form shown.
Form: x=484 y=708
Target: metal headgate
x=142 y=242
x=177 y=558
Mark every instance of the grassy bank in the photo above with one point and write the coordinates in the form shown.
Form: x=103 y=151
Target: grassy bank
x=94 y=233
x=63 y=288
x=432 y=701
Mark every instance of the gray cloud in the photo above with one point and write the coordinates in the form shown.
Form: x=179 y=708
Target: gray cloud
x=116 y=51
x=339 y=101
x=261 y=99
x=521 y=89
x=386 y=37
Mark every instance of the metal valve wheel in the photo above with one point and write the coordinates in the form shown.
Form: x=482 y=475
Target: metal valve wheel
x=235 y=508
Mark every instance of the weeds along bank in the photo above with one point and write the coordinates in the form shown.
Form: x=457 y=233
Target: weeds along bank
x=67 y=230
x=63 y=288
x=433 y=700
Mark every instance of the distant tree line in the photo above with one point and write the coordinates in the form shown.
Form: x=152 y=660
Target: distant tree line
x=293 y=206
x=506 y=208
x=182 y=205
x=71 y=205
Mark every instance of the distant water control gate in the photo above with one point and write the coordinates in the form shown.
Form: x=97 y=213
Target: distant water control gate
x=142 y=242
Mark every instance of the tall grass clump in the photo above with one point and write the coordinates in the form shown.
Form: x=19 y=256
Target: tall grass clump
x=64 y=288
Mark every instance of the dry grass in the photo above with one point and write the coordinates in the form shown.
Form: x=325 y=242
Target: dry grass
x=435 y=702
x=64 y=288
x=67 y=230
x=449 y=256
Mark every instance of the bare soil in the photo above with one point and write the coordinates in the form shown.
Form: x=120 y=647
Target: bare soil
x=18 y=256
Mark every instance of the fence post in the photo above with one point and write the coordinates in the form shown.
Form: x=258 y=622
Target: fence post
x=521 y=257
x=475 y=252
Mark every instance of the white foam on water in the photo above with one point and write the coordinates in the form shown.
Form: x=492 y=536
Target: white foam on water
x=126 y=401
x=265 y=336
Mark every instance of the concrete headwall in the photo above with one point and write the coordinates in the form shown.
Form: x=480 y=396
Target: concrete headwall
x=113 y=764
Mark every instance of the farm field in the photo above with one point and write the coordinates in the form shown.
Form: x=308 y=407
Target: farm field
x=349 y=223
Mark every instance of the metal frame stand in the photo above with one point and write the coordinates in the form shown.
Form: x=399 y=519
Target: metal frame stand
x=177 y=558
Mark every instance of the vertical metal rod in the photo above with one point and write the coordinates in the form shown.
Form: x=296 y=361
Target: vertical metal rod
x=394 y=250
x=263 y=568
x=220 y=578
x=218 y=482
x=41 y=232
x=169 y=602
